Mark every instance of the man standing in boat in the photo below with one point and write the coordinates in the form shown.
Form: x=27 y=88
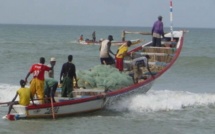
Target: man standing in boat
x=123 y=35
x=81 y=38
x=121 y=53
x=37 y=83
x=50 y=83
x=105 y=51
x=68 y=72
x=157 y=32
x=94 y=36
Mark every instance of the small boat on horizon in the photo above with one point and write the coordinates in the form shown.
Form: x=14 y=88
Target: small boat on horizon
x=113 y=43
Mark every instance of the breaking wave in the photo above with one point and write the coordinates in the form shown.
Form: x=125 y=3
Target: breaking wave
x=152 y=101
x=163 y=100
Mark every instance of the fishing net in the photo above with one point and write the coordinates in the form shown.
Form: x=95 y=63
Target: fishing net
x=103 y=77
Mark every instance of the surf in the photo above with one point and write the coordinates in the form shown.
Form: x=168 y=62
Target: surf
x=163 y=100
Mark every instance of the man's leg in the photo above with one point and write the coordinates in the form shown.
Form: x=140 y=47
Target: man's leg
x=158 y=42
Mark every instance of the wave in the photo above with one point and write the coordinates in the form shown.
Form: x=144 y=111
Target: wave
x=163 y=100
x=7 y=92
x=152 y=101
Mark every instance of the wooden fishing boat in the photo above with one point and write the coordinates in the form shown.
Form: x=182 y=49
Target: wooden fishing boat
x=88 y=100
x=113 y=43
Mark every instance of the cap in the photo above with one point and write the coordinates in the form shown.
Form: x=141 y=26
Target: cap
x=52 y=59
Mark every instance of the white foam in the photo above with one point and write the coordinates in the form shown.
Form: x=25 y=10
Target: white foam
x=7 y=92
x=163 y=100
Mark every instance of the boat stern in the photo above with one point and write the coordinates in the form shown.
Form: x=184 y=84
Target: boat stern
x=19 y=112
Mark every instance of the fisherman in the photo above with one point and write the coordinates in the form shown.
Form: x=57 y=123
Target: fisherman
x=68 y=72
x=105 y=51
x=94 y=36
x=37 y=83
x=24 y=96
x=81 y=38
x=121 y=53
x=142 y=61
x=157 y=32
x=50 y=83
x=123 y=35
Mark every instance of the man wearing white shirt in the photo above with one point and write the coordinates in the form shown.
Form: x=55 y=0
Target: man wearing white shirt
x=140 y=62
x=50 y=83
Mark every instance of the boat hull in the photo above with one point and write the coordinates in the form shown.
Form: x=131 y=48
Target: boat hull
x=113 y=43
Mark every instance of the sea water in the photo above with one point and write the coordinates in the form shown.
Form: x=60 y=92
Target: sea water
x=181 y=101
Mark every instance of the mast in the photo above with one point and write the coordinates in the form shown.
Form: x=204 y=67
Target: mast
x=171 y=20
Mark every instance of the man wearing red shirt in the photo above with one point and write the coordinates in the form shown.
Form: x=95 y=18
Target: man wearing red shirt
x=37 y=83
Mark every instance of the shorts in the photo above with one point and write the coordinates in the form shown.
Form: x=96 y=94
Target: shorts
x=37 y=87
x=119 y=64
x=108 y=61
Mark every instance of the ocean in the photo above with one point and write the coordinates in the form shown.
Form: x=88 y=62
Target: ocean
x=181 y=101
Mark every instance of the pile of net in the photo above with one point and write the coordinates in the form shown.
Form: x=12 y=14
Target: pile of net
x=103 y=77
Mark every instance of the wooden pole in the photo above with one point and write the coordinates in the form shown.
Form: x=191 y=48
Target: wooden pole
x=171 y=20
x=52 y=105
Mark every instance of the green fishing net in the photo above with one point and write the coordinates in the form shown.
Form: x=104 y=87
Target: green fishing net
x=103 y=77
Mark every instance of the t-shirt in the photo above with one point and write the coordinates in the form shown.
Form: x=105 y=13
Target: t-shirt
x=51 y=72
x=104 y=49
x=38 y=70
x=68 y=69
x=141 y=61
x=158 y=27
x=24 y=96
x=122 y=51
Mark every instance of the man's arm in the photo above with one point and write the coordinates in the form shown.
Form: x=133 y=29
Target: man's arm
x=26 y=78
x=61 y=73
x=52 y=66
x=76 y=81
x=15 y=97
x=153 y=27
x=12 y=102
x=149 y=68
x=109 y=50
x=162 y=31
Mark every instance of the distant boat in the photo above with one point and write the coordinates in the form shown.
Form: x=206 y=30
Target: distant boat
x=88 y=100
x=114 y=43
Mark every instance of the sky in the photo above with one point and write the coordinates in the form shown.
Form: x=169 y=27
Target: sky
x=186 y=13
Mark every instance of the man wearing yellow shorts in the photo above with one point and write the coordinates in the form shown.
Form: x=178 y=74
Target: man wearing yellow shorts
x=37 y=83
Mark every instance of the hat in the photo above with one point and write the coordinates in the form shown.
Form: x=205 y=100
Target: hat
x=52 y=59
